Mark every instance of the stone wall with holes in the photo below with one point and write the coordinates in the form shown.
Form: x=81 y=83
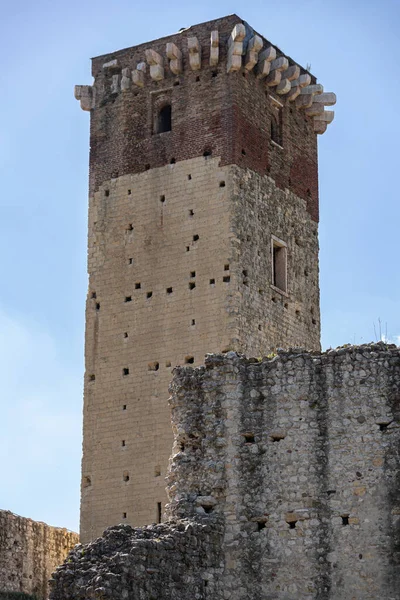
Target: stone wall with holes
x=269 y=317
x=284 y=483
x=180 y=264
x=29 y=553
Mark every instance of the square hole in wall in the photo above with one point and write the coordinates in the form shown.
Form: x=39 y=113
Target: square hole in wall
x=129 y=192
x=130 y=261
x=124 y=407
x=195 y=237
x=191 y=212
x=168 y=364
x=192 y=285
x=149 y=294
x=125 y=371
x=138 y=286
x=153 y=366
x=94 y=295
x=189 y=360
x=226 y=267
x=128 y=298
x=169 y=290
x=193 y=322
x=226 y=279
x=192 y=274
x=124 y=514
x=123 y=444
x=162 y=199
x=212 y=281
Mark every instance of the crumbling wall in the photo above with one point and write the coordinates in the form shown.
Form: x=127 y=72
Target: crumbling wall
x=29 y=553
x=288 y=470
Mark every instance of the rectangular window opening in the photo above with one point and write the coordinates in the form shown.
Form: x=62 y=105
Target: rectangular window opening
x=159 y=512
x=279 y=264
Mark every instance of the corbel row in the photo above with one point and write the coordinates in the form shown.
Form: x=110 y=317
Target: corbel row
x=274 y=71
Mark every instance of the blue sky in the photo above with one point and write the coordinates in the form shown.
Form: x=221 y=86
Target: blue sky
x=46 y=47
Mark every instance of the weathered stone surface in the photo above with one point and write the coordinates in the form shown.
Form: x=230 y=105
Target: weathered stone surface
x=29 y=553
x=283 y=484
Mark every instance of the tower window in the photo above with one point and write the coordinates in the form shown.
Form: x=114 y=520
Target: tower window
x=163 y=122
x=279 y=264
x=276 y=126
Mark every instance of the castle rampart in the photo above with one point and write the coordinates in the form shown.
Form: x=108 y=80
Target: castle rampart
x=29 y=553
x=283 y=484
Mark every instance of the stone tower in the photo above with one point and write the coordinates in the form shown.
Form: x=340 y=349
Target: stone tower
x=203 y=237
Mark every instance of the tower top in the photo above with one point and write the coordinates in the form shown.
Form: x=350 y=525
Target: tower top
x=229 y=41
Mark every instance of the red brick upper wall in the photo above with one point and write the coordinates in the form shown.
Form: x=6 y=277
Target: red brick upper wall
x=213 y=111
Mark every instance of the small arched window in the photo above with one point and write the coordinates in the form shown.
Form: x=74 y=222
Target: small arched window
x=163 y=123
x=275 y=130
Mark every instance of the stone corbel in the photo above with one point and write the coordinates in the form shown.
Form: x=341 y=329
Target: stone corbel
x=307 y=94
x=138 y=74
x=275 y=76
x=235 y=48
x=156 y=63
x=175 y=58
x=326 y=98
x=264 y=62
x=297 y=84
x=126 y=80
x=253 y=48
x=85 y=94
x=214 y=49
x=194 y=49
x=115 y=81
x=320 y=127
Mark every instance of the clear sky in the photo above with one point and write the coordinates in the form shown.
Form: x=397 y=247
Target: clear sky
x=353 y=49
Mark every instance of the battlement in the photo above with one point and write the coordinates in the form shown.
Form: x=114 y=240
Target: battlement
x=237 y=48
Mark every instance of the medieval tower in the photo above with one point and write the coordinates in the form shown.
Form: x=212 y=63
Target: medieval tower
x=203 y=237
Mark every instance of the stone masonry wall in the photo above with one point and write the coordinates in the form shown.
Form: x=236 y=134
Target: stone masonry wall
x=180 y=264
x=288 y=469
x=29 y=553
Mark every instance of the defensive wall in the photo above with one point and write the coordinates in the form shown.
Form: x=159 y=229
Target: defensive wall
x=29 y=553
x=284 y=484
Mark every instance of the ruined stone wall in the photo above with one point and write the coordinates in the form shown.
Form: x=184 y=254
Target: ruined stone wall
x=29 y=553
x=292 y=464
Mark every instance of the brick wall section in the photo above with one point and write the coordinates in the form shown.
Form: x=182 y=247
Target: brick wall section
x=226 y=113
x=29 y=553
x=293 y=462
